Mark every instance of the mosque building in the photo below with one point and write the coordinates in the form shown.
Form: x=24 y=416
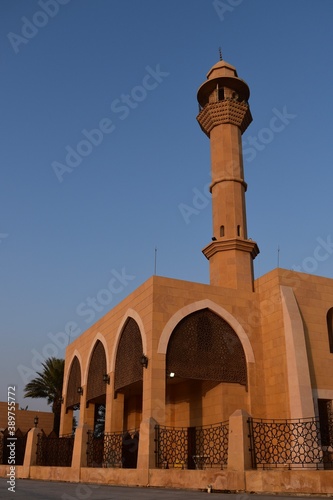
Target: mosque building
x=176 y=361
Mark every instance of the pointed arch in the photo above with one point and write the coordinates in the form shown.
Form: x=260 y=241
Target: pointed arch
x=203 y=346
x=220 y=311
x=68 y=366
x=97 y=369
x=102 y=339
x=128 y=367
x=130 y=313
x=74 y=381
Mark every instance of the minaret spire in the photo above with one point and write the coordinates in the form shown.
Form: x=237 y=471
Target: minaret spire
x=224 y=115
x=220 y=52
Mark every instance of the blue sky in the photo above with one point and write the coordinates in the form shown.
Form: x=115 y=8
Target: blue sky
x=69 y=226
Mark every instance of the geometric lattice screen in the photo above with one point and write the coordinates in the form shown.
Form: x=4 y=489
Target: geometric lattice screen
x=97 y=368
x=74 y=381
x=128 y=367
x=203 y=346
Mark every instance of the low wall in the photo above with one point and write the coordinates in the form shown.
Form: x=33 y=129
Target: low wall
x=20 y=473
x=308 y=482
x=114 y=476
x=54 y=473
x=197 y=479
x=290 y=481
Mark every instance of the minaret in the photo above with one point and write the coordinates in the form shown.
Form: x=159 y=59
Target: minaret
x=224 y=115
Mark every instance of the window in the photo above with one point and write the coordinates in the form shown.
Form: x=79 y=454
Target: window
x=221 y=231
x=220 y=94
x=330 y=328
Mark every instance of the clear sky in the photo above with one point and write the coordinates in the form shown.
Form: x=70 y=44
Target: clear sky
x=102 y=159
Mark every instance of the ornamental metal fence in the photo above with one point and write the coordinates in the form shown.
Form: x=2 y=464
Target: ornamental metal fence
x=192 y=447
x=113 y=449
x=55 y=451
x=290 y=444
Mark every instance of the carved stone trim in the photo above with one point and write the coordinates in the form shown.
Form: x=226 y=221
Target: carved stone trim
x=226 y=111
x=228 y=179
x=231 y=244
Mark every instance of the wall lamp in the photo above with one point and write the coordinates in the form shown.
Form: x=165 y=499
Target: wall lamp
x=144 y=361
x=80 y=390
x=172 y=374
x=36 y=421
x=106 y=378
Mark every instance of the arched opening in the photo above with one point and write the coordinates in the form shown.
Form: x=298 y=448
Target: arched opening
x=96 y=389
x=220 y=93
x=128 y=387
x=72 y=399
x=330 y=328
x=206 y=371
x=129 y=373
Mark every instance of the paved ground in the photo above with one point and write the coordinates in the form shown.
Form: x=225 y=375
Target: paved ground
x=26 y=489
x=49 y=490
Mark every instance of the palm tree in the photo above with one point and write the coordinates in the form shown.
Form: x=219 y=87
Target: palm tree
x=48 y=385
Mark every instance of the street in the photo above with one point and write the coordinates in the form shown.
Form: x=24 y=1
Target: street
x=26 y=489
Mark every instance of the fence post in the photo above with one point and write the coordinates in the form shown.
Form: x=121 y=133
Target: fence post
x=79 y=458
x=146 y=455
x=30 y=455
x=239 y=455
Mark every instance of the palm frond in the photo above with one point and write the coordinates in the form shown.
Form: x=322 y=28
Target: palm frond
x=48 y=383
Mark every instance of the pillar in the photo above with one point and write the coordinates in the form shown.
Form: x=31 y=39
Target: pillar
x=239 y=455
x=30 y=455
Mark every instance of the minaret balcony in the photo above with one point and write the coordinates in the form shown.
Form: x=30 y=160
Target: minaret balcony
x=225 y=111
x=240 y=244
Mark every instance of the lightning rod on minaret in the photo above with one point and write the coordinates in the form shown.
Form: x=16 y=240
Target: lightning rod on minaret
x=155 y=260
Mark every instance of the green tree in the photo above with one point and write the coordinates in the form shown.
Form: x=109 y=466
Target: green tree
x=48 y=385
